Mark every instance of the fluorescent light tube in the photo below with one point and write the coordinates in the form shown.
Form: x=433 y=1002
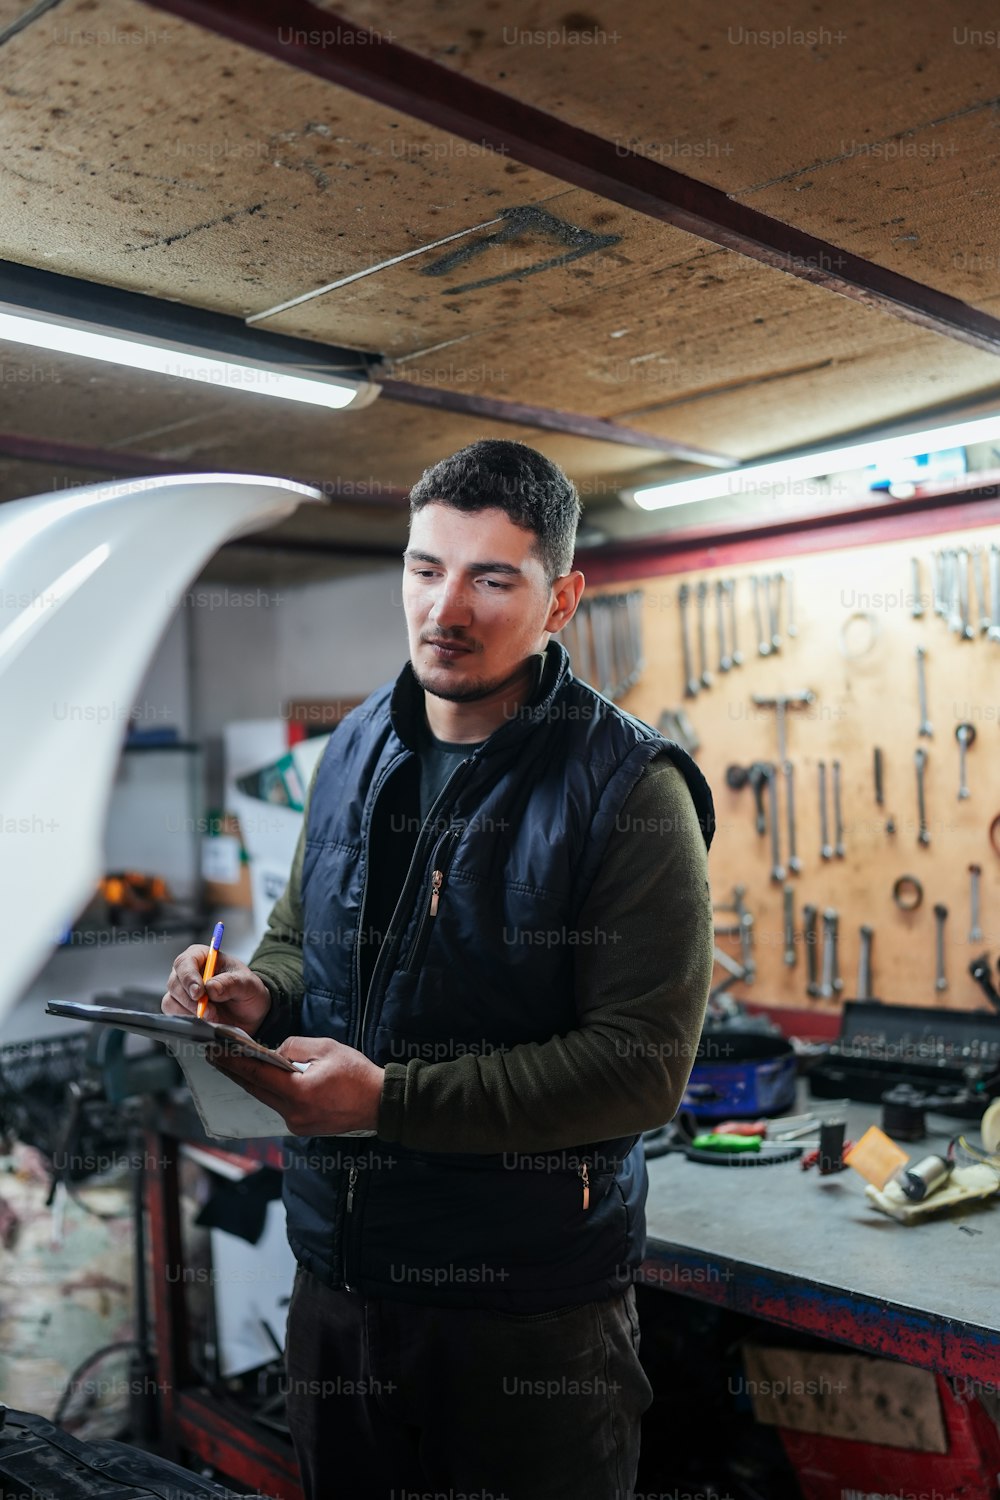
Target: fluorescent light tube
x=180 y=360
x=754 y=478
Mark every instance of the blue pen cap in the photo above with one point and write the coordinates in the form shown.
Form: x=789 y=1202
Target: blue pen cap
x=217 y=935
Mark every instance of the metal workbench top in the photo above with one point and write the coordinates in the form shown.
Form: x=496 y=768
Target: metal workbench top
x=812 y=1253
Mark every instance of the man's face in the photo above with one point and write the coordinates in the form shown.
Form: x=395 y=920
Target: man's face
x=476 y=601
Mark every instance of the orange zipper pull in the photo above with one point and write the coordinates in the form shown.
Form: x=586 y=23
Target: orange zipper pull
x=437 y=881
x=582 y=1169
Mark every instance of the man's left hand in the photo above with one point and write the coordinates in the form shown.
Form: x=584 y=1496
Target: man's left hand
x=339 y=1091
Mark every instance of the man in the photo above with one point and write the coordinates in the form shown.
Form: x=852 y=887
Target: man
x=494 y=951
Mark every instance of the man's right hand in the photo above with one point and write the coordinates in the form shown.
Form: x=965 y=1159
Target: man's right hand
x=236 y=995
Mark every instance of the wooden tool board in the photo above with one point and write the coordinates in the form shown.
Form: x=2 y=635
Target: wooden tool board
x=862 y=701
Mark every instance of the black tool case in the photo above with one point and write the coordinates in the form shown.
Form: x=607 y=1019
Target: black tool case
x=953 y=1056
x=41 y=1462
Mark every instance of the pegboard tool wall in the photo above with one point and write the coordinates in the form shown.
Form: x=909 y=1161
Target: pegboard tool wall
x=867 y=701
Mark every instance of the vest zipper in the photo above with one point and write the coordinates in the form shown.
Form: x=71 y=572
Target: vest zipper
x=440 y=859
x=389 y=948
x=404 y=906
x=583 y=1172
x=352 y=1181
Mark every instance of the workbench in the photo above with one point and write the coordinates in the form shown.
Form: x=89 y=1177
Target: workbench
x=811 y=1253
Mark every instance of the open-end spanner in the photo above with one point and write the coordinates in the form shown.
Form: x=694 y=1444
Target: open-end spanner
x=788 y=771
x=940 y=917
x=791 y=629
x=979 y=569
x=812 y=958
x=691 y=683
x=952 y=590
x=925 y=728
x=772 y=593
x=975 y=931
x=865 y=965
x=735 y=652
x=763 y=644
x=825 y=849
x=920 y=761
x=965 y=734
x=777 y=868
x=838 y=817
x=916 y=603
x=789 y=911
x=706 y=676
x=967 y=631
x=826 y=987
x=725 y=660
x=994 y=630
x=834 y=921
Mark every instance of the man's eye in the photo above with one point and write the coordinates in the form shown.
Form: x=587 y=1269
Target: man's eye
x=492 y=583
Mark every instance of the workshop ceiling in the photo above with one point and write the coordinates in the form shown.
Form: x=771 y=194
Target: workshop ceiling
x=144 y=152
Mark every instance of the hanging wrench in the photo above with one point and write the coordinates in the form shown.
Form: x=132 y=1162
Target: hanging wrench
x=763 y=645
x=835 y=979
x=706 y=676
x=788 y=770
x=937 y=584
x=758 y=780
x=925 y=728
x=725 y=660
x=920 y=760
x=940 y=917
x=826 y=849
x=916 y=603
x=975 y=931
x=994 y=630
x=777 y=868
x=737 y=654
x=790 y=954
x=809 y=939
x=952 y=591
x=967 y=631
x=979 y=567
x=838 y=819
x=865 y=965
x=791 y=629
x=772 y=593
x=965 y=734
x=691 y=683
x=826 y=988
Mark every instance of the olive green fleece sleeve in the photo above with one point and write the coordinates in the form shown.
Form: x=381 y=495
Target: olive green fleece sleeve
x=277 y=958
x=642 y=984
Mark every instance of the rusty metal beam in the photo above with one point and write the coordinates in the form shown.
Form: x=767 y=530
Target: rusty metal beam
x=320 y=42
x=118 y=461
x=549 y=419
x=147 y=316
x=969 y=503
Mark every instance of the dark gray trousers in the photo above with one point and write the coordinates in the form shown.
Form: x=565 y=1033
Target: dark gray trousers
x=388 y=1400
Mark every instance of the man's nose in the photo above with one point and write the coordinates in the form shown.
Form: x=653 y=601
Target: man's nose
x=451 y=606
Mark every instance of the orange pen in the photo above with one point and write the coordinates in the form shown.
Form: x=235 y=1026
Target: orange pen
x=210 y=962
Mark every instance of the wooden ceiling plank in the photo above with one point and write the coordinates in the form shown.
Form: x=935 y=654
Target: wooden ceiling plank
x=318 y=41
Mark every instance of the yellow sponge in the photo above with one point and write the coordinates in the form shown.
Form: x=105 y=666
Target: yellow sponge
x=876 y=1157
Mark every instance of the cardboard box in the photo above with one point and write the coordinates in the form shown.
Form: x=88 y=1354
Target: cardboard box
x=271 y=830
x=856 y=1396
x=856 y=1427
x=225 y=870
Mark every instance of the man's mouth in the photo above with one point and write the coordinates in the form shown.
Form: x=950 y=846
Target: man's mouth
x=449 y=649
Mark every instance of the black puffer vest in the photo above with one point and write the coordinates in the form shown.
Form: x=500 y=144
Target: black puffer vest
x=478 y=958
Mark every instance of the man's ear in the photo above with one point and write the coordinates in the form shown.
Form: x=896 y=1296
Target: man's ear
x=568 y=592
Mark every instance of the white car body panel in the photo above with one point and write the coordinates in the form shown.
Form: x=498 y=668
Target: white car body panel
x=89 y=581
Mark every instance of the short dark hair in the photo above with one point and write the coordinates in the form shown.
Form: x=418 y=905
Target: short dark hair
x=496 y=474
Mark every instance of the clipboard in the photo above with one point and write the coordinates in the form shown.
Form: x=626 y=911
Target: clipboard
x=227 y=1110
